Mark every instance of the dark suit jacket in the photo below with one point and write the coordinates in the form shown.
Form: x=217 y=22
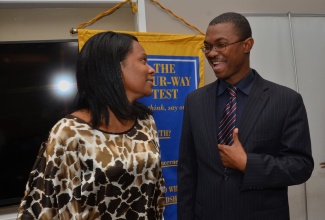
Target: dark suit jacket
x=275 y=134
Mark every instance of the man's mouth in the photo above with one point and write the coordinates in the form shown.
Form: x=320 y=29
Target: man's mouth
x=216 y=63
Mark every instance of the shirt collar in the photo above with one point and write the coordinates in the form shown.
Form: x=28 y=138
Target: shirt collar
x=244 y=85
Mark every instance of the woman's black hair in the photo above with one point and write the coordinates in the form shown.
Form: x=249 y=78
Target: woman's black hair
x=99 y=79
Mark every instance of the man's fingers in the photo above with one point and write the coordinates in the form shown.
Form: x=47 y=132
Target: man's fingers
x=235 y=135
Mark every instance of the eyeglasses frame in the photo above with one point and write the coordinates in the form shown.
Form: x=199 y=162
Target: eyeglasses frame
x=215 y=47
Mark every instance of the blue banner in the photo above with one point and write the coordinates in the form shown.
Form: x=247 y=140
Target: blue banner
x=175 y=77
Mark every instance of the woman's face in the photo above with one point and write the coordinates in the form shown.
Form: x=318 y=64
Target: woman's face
x=137 y=74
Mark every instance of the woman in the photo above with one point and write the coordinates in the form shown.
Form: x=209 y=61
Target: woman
x=102 y=161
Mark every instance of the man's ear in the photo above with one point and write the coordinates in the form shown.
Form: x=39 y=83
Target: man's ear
x=248 y=44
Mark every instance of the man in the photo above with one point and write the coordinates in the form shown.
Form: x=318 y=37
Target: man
x=240 y=171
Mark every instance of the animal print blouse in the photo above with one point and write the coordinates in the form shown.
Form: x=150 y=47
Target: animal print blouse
x=84 y=173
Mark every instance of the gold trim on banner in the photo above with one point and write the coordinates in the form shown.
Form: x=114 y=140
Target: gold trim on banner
x=102 y=14
x=134 y=10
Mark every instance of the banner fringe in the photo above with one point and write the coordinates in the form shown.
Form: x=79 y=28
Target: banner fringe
x=108 y=12
x=134 y=10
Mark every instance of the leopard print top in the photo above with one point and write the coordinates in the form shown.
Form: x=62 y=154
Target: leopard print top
x=84 y=173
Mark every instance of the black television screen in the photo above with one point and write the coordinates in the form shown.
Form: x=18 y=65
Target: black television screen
x=37 y=88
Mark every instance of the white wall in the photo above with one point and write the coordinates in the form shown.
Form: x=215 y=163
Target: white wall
x=290 y=50
x=309 y=42
x=55 y=23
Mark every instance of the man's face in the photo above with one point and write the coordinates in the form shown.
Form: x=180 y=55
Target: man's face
x=232 y=63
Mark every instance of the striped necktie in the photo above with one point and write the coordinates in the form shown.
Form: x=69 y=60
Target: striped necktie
x=228 y=119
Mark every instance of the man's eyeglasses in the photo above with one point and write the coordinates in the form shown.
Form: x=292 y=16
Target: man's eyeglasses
x=218 y=47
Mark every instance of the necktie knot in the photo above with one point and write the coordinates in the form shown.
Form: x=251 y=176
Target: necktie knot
x=232 y=90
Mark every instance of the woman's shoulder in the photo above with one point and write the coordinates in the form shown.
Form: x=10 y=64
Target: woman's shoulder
x=68 y=123
x=147 y=124
x=82 y=116
x=149 y=119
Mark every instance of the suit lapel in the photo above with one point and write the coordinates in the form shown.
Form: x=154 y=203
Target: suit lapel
x=209 y=116
x=210 y=120
x=257 y=100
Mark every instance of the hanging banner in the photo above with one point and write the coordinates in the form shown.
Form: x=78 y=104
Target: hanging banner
x=179 y=65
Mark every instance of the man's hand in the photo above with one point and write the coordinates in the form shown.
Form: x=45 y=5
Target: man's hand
x=233 y=156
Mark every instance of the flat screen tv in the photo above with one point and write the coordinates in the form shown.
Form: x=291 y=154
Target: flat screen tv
x=37 y=88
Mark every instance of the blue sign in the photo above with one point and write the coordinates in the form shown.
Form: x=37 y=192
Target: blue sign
x=175 y=77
